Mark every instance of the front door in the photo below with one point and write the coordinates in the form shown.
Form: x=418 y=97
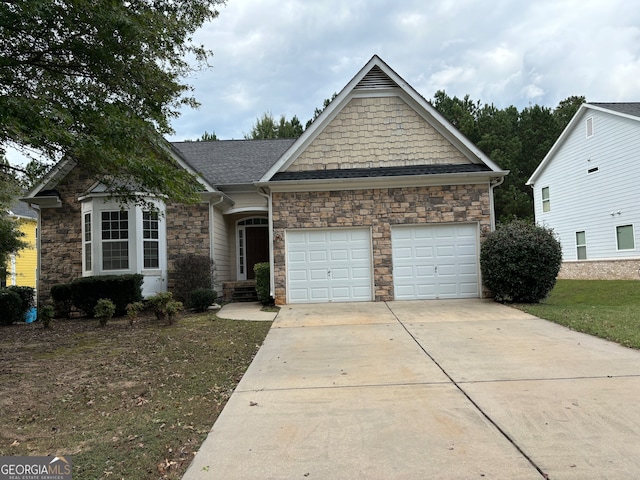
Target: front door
x=257 y=247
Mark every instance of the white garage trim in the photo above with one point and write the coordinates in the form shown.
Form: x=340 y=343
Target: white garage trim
x=435 y=261
x=329 y=265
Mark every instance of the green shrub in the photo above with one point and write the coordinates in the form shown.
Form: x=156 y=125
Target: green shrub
x=164 y=306
x=520 y=262
x=201 y=299
x=121 y=289
x=46 y=314
x=104 y=310
x=191 y=272
x=27 y=299
x=10 y=307
x=133 y=310
x=263 y=282
x=62 y=302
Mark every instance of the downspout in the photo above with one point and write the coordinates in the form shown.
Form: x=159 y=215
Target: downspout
x=495 y=182
x=38 y=253
x=271 y=268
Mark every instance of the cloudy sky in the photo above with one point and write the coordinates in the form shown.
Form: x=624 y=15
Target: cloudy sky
x=287 y=56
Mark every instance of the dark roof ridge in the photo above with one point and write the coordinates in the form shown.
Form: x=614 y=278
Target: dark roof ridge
x=382 y=171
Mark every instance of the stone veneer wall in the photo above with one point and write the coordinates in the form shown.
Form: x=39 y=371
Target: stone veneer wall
x=377 y=132
x=378 y=209
x=61 y=235
x=601 y=270
x=187 y=233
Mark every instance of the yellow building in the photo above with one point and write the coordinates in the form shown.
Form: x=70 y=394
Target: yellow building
x=22 y=267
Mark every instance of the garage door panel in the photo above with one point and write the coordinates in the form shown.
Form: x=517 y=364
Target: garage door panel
x=422 y=252
x=424 y=271
x=403 y=272
x=361 y=273
x=317 y=274
x=435 y=261
x=341 y=255
x=361 y=254
x=298 y=275
x=318 y=294
x=340 y=274
x=336 y=265
x=317 y=256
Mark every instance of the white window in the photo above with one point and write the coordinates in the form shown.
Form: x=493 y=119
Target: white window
x=115 y=240
x=625 y=237
x=86 y=239
x=581 y=245
x=151 y=235
x=546 y=201
x=589 y=127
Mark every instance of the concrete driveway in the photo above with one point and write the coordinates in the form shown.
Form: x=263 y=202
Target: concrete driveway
x=455 y=389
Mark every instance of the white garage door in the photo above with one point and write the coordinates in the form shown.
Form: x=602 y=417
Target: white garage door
x=332 y=265
x=435 y=261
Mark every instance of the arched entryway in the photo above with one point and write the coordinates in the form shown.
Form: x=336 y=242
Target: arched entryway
x=252 y=245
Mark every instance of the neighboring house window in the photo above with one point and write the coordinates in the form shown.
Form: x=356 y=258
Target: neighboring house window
x=87 y=242
x=115 y=240
x=546 y=202
x=589 y=127
x=150 y=233
x=581 y=245
x=624 y=237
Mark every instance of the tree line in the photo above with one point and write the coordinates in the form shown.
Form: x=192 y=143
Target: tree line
x=517 y=140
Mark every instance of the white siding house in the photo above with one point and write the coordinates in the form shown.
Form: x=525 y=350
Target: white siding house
x=587 y=189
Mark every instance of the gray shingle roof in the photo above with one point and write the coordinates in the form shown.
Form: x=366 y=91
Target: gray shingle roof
x=381 y=172
x=233 y=162
x=22 y=209
x=629 y=108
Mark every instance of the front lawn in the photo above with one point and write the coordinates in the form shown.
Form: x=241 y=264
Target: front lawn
x=126 y=402
x=608 y=309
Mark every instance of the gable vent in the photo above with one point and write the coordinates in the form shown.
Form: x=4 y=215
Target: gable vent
x=376 y=78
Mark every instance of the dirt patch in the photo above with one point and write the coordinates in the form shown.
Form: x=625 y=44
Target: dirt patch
x=125 y=401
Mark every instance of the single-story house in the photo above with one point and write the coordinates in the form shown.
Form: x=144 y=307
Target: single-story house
x=380 y=199
x=586 y=190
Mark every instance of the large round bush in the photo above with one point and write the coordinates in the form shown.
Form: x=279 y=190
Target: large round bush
x=520 y=262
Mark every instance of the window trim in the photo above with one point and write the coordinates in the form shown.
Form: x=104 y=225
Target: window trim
x=95 y=205
x=87 y=243
x=581 y=245
x=155 y=219
x=546 y=202
x=112 y=241
x=633 y=239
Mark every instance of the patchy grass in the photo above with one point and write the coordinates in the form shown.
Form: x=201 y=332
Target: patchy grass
x=608 y=309
x=125 y=401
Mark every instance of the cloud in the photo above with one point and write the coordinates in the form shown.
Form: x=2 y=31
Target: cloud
x=288 y=56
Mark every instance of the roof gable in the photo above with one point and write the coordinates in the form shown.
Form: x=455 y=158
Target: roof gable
x=378 y=101
x=623 y=110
